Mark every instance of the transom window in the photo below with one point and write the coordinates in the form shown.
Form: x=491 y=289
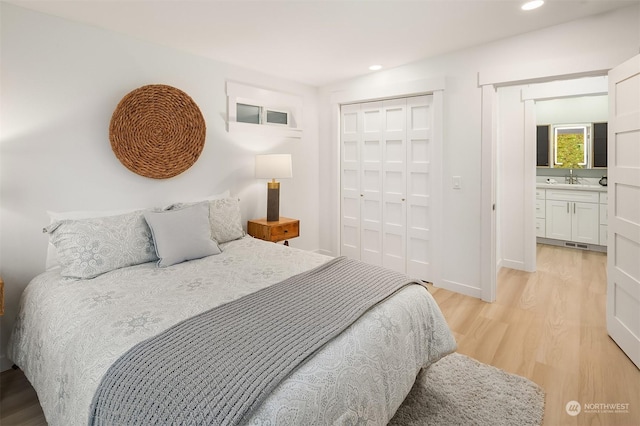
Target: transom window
x=257 y=114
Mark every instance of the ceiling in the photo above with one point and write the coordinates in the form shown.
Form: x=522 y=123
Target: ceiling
x=319 y=42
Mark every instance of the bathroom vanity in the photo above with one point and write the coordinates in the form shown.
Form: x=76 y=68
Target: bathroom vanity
x=572 y=215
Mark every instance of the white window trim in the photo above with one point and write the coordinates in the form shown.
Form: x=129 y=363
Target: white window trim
x=265 y=98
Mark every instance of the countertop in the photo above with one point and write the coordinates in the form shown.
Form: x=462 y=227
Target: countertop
x=575 y=186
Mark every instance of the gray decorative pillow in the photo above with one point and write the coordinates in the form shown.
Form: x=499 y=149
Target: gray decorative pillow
x=181 y=235
x=224 y=215
x=90 y=247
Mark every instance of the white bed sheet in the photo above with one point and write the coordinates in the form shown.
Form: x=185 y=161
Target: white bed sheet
x=69 y=332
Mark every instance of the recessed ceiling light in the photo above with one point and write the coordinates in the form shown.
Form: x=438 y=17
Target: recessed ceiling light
x=375 y=67
x=530 y=5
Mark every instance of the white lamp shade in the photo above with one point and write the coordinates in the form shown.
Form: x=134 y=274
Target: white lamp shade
x=273 y=166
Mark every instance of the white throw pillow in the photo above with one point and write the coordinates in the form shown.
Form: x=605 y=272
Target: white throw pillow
x=181 y=235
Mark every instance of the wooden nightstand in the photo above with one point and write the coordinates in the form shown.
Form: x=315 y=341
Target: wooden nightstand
x=280 y=230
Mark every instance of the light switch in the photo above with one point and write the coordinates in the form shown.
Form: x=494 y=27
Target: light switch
x=457 y=182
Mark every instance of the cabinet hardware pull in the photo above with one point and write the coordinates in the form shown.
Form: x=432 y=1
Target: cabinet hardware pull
x=567 y=207
x=574 y=208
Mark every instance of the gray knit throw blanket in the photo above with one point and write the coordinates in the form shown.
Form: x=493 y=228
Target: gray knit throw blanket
x=219 y=366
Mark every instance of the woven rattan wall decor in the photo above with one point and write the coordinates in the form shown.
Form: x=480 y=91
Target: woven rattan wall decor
x=157 y=131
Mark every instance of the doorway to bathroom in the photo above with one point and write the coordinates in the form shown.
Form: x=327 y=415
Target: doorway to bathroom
x=525 y=114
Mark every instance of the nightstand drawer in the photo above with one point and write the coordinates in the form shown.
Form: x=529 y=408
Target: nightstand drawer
x=275 y=231
x=285 y=231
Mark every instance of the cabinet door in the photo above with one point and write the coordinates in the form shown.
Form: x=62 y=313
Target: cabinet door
x=585 y=226
x=558 y=220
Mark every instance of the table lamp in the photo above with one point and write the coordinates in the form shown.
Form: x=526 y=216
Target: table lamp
x=273 y=166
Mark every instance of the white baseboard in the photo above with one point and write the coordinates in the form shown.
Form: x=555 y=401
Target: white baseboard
x=460 y=288
x=513 y=264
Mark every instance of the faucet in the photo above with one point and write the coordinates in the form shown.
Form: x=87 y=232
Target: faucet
x=571 y=179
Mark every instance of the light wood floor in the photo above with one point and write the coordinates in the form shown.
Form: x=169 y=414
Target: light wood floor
x=548 y=326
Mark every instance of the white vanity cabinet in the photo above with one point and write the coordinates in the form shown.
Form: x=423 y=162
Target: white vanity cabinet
x=572 y=215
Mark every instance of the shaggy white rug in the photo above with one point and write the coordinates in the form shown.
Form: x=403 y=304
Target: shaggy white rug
x=458 y=390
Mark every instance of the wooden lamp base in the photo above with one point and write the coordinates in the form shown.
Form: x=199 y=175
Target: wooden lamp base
x=273 y=201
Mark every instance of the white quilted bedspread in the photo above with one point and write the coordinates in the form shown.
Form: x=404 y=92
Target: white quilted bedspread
x=69 y=332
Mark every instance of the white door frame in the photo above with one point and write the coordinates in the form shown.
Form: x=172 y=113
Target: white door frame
x=434 y=86
x=488 y=257
x=489 y=82
x=564 y=88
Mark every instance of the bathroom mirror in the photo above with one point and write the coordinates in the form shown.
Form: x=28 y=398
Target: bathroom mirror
x=571 y=145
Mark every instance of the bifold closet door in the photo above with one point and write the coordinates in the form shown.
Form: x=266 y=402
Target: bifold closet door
x=384 y=183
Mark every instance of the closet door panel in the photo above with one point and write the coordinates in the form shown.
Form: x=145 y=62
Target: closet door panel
x=394 y=185
x=350 y=135
x=394 y=238
x=371 y=183
x=418 y=162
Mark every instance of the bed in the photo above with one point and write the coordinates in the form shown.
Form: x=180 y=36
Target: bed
x=70 y=332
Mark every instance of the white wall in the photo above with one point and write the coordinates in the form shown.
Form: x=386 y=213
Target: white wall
x=583 y=109
x=60 y=83
x=594 y=44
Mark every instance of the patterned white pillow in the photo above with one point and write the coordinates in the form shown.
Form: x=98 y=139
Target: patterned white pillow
x=90 y=247
x=52 y=254
x=224 y=216
x=183 y=204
